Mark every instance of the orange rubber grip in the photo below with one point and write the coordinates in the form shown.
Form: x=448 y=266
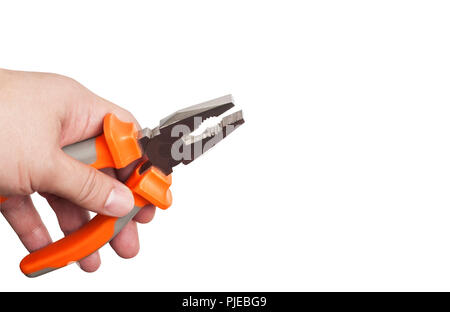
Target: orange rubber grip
x=121 y=139
x=71 y=248
x=116 y=148
x=152 y=186
x=104 y=158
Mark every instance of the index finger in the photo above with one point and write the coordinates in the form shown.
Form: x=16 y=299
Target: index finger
x=84 y=113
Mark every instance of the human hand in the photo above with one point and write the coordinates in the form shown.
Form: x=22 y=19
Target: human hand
x=41 y=113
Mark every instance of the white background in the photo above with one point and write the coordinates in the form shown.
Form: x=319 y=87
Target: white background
x=339 y=180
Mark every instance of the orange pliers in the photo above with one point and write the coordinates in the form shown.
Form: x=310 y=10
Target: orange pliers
x=121 y=143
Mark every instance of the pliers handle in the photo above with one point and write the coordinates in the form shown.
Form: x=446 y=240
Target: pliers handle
x=117 y=147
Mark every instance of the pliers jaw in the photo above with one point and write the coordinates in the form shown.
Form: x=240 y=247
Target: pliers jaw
x=194 y=146
x=172 y=141
x=192 y=116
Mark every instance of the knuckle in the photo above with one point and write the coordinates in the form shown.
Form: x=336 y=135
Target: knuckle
x=63 y=79
x=43 y=174
x=31 y=232
x=126 y=115
x=90 y=188
x=24 y=180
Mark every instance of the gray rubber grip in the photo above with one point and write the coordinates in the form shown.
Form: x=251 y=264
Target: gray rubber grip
x=83 y=151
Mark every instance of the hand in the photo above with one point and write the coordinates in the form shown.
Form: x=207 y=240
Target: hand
x=40 y=113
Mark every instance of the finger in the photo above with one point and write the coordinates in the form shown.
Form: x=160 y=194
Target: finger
x=86 y=187
x=20 y=213
x=146 y=214
x=126 y=243
x=84 y=113
x=91 y=263
x=71 y=218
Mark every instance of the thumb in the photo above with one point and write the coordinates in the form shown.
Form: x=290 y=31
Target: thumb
x=87 y=187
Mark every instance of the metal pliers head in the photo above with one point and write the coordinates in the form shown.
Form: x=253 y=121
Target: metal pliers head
x=173 y=141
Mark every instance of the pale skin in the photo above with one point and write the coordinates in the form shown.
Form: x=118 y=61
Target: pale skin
x=41 y=113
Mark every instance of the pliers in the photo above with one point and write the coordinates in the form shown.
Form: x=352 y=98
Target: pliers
x=160 y=149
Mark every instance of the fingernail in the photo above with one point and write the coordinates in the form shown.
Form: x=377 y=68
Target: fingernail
x=120 y=202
